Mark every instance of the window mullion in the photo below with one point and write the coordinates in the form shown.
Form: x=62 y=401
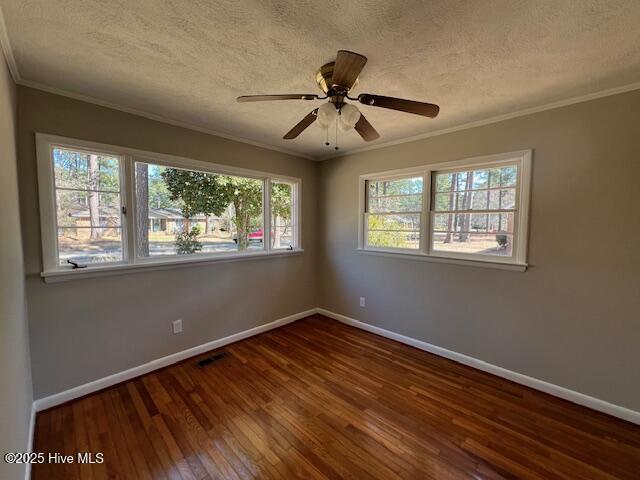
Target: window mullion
x=365 y=229
x=295 y=215
x=127 y=189
x=364 y=210
x=266 y=221
x=425 y=218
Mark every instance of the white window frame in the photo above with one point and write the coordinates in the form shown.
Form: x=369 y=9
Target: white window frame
x=518 y=260
x=390 y=177
x=295 y=208
x=131 y=262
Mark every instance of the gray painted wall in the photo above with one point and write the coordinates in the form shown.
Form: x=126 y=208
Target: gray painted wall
x=83 y=330
x=15 y=376
x=573 y=319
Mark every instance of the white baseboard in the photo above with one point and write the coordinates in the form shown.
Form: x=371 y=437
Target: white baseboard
x=555 y=390
x=94 y=386
x=32 y=429
x=561 y=392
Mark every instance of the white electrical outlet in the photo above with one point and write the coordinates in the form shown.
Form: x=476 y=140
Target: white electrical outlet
x=362 y=302
x=177 y=326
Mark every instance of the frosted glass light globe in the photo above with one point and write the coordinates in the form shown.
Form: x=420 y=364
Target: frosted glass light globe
x=343 y=126
x=326 y=115
x=349 y=116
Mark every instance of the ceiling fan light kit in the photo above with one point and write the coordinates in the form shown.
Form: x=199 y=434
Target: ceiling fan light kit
x=327 y=115
x=336 y=79
x=349 y=116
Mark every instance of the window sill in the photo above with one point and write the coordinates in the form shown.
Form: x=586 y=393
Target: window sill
x=107 y=270
x=515 y=267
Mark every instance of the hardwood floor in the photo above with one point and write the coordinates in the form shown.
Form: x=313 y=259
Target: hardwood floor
x=317 y=399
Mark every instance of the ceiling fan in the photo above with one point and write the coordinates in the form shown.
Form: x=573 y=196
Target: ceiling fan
x=336 y=79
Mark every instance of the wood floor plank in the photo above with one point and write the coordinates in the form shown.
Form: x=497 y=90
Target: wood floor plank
x=320 y=400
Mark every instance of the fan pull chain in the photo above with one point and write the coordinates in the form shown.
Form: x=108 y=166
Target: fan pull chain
x=336 y=147
x=327 y=140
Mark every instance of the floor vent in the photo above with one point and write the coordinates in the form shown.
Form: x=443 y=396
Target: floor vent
x=212 y=359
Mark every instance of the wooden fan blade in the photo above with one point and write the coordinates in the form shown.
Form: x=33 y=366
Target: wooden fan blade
x=409 y=106
x=347 y=68
x=286 y=96
x=302 y=125
x=366 y=130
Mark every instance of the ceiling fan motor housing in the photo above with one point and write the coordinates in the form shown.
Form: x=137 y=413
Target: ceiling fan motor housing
x=324 y=78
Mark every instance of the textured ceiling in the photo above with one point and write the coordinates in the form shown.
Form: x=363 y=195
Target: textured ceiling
x=188 y=60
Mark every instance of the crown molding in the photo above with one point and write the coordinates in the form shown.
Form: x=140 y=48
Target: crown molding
x=157 y=118
x=13 y=68
x=8 y=51
x=422 y=136
x=490 y=120
x=15 y=73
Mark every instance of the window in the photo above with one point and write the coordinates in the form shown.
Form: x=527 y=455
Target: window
x=116 y=208
x=477 y=210
x=88 y=207
x=473 y=211
x=393 y=211
x=202 y=212
x=283 y=210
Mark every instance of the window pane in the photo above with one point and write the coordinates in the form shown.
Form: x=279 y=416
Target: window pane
x=502 y=199
x=402 y=186
x=184 y=212
x=463 y=201
x=401 y=195
x=282 y=237
x=393 y=239
x=444 y=201
x=89 y=245
x=479 y=200
x=461 y=180
x=470 y=200
x=394 y=218
x=501 y=222
x=473 y=222
x=444 y=182
x=282 y=215
x=86 y=171
x=480 y=179
x=76 y=208
x=509 y=176
x=508 y=197
x=494 y=200
x=396 y=231
x=483 y=190
x=394 y=222
x=478 y=222
x=478 y=243
x=88 y=207
x=395 y=203
x=494 y=175
x=442 y=222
